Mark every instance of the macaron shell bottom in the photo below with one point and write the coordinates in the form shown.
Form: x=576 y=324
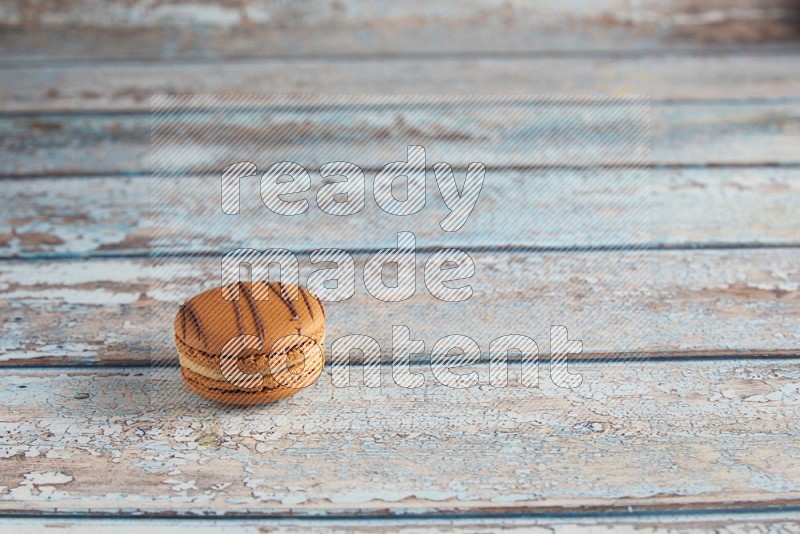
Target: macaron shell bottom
x=289 y=381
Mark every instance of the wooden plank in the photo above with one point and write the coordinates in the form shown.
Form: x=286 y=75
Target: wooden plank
x=118 y=30
x=312 y=13
x=129 y=86
x=96 y=216
x=641 y=304
x=767 y=523
x=681 y=134
x=659 y=436
x=385 y=14
x=54 y=46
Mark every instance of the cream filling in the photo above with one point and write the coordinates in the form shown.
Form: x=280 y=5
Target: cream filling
x=311 y=352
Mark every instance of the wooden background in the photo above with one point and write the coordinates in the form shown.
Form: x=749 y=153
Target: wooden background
x=704 y=434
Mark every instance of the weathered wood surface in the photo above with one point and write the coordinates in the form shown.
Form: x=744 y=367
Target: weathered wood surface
x=682 y=433
x=96 y=216
x=318 y=15
x=120 y=30
x=61 y=46
x=647 y=304
x=128 y=86
x=681 y=134
x=690 y=435
x=629 y=523
x=380 y=13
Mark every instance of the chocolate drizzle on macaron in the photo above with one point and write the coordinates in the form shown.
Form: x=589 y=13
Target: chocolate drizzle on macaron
x=189 y=309
x=285 y=299
x=253 y=309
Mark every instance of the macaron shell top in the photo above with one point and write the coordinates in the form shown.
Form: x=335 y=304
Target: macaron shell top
x=207 y=322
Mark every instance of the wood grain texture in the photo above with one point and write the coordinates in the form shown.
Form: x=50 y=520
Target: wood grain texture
x=385 y=14
x=128 y=86
x=695 y=435
x=96 y=216
x=641 y=304
x=699 y=523
x=689 y=407
x=87 y=30
x=680 y=134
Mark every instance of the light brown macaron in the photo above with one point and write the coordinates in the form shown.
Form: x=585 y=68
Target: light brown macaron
x=251 y=343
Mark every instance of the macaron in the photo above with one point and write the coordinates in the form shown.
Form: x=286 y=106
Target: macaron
x=250 y=343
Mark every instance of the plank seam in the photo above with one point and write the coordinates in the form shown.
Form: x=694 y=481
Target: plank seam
x=612 y=512
x=567 y=54
x=646 y=358
x=515 y=249
x=592 y=102
x=756 y=165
